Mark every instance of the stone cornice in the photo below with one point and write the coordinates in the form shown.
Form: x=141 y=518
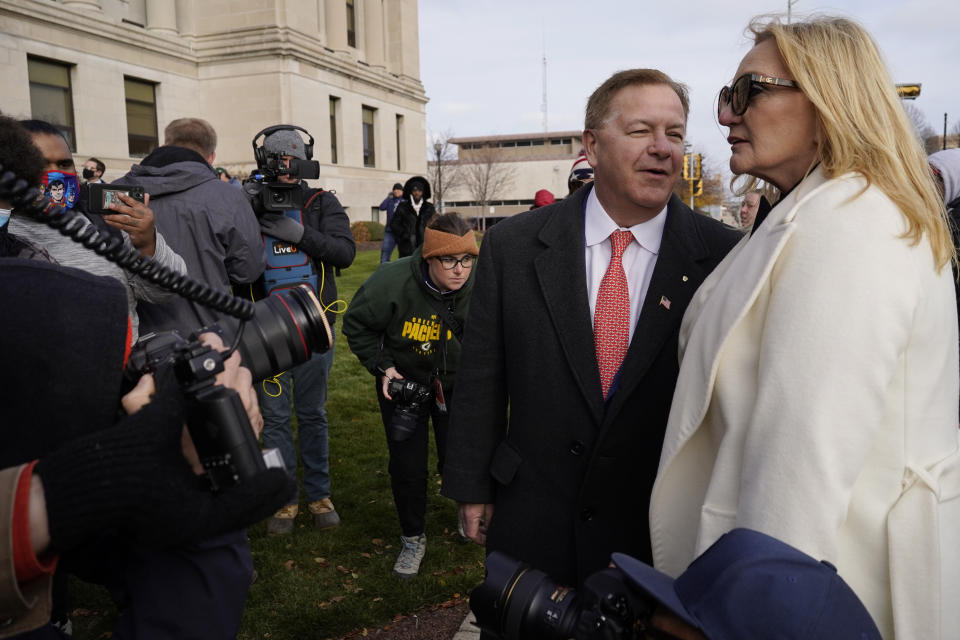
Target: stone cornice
x=228 y=46
x=90 y=25
x=271 y=41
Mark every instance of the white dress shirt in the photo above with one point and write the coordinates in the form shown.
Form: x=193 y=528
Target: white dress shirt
x=639 y=258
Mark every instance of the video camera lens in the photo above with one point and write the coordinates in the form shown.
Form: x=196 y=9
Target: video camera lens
x=286 y=328
x=516 y=601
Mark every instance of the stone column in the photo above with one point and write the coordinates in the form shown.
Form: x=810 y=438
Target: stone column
x=373 y=32
x=335 y=13
x=162 y=16
x=85 y=5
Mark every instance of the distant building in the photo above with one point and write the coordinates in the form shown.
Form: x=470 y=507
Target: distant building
x=535 y=161
x=113 y=73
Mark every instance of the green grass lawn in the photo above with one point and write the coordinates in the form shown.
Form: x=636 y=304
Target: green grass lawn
x=321 y=584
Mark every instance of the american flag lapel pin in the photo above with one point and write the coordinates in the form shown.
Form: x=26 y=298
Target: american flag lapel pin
x=665 y=302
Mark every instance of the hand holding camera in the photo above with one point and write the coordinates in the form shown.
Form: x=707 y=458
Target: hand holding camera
x=281 y=227
x=133 y=478
x=133 y=216
x=411 y=402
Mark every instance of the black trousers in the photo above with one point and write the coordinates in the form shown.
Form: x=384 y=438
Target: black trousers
x=408 y=461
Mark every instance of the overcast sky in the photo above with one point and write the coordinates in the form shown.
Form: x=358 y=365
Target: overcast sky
x=481 y=60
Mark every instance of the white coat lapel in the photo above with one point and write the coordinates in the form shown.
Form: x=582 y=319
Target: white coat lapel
x=721 y=302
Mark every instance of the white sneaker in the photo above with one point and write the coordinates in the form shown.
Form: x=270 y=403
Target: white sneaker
x=411 y=553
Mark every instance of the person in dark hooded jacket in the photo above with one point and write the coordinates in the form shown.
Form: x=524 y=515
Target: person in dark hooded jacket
x=412 y=215
x=207 y=221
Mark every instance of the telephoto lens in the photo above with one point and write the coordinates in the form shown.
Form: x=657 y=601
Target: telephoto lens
x=286 y=328
x=517 y=602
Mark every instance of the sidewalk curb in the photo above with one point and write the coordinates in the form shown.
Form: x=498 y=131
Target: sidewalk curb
x=468 y=630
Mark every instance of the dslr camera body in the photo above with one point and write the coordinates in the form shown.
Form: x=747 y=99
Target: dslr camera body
x=286 y=328
x=265 y=191
x=410 y=403
x=216 y=419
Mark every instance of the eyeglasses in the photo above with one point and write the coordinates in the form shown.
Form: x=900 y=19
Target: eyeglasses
x=449 y=262
x=739 y=94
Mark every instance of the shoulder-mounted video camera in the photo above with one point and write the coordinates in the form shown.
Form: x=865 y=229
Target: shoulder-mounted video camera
x=265 y=191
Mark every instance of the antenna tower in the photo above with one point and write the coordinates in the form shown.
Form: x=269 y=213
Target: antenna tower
x=543 y=105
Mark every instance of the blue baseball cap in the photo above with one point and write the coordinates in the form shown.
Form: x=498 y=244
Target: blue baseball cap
x=749 y=585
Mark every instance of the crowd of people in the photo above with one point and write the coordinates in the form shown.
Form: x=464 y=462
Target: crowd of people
x=610 y=374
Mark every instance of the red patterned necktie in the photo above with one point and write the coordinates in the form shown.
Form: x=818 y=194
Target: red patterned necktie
x=611 y=318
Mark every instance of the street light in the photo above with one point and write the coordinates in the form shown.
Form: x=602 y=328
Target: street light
x=438 y=148
x=790 y=4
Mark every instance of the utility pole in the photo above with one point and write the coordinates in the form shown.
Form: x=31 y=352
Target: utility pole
x=438 y=149
x=790 y=4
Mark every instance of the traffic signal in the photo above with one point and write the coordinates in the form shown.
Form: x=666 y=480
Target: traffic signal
x=908 y=91
x=691 y=166
x=698 y=188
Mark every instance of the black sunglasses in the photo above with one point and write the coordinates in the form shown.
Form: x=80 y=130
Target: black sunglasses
x=738 y=94
x=449 y=262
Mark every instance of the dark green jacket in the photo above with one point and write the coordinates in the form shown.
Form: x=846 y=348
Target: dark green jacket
x=391 y=323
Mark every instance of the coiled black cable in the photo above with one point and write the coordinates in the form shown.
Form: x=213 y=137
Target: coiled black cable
x=25 y=199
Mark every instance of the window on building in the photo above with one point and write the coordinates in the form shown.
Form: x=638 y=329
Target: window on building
x=369 y=153
x=556 y=141
x=523 y=143
x=141 y=99
x=375 y=214
x=50 y=96
x=334 y=113
x=399 y=142
x=351 y=24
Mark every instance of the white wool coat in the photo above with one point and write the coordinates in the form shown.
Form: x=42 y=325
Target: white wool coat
x=819 y=379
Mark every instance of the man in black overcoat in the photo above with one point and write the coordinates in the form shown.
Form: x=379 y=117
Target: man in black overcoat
x=547 y=466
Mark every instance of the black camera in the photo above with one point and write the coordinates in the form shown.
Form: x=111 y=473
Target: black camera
x=410 y=400
x=516 y=602
x=265 y=191
x=285 y=329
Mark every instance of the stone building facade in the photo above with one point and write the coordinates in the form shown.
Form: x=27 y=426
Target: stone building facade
x=534 y=161
x=113 y=73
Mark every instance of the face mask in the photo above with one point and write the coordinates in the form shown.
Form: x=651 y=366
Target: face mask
x=87 y=173
x=62 y=187
x=4 y=217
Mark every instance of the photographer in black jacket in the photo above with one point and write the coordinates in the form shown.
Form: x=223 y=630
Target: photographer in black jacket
x=304 y=245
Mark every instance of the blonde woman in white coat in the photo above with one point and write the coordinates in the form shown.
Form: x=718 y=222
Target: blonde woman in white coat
x=817 y=397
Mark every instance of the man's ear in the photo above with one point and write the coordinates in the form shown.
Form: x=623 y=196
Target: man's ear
x=211 y=158
x=590 y=142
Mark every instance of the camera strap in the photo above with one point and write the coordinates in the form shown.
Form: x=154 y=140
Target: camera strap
x=452 y=323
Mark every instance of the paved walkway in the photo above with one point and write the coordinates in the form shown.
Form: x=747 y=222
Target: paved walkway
x=468 y=630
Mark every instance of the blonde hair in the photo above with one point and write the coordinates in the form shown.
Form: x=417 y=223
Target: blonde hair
x=863 y=126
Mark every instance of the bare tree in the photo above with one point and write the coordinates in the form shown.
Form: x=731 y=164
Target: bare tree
x=921 y=127
x=955 y=132
x=486 y=177
x=443 y=170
